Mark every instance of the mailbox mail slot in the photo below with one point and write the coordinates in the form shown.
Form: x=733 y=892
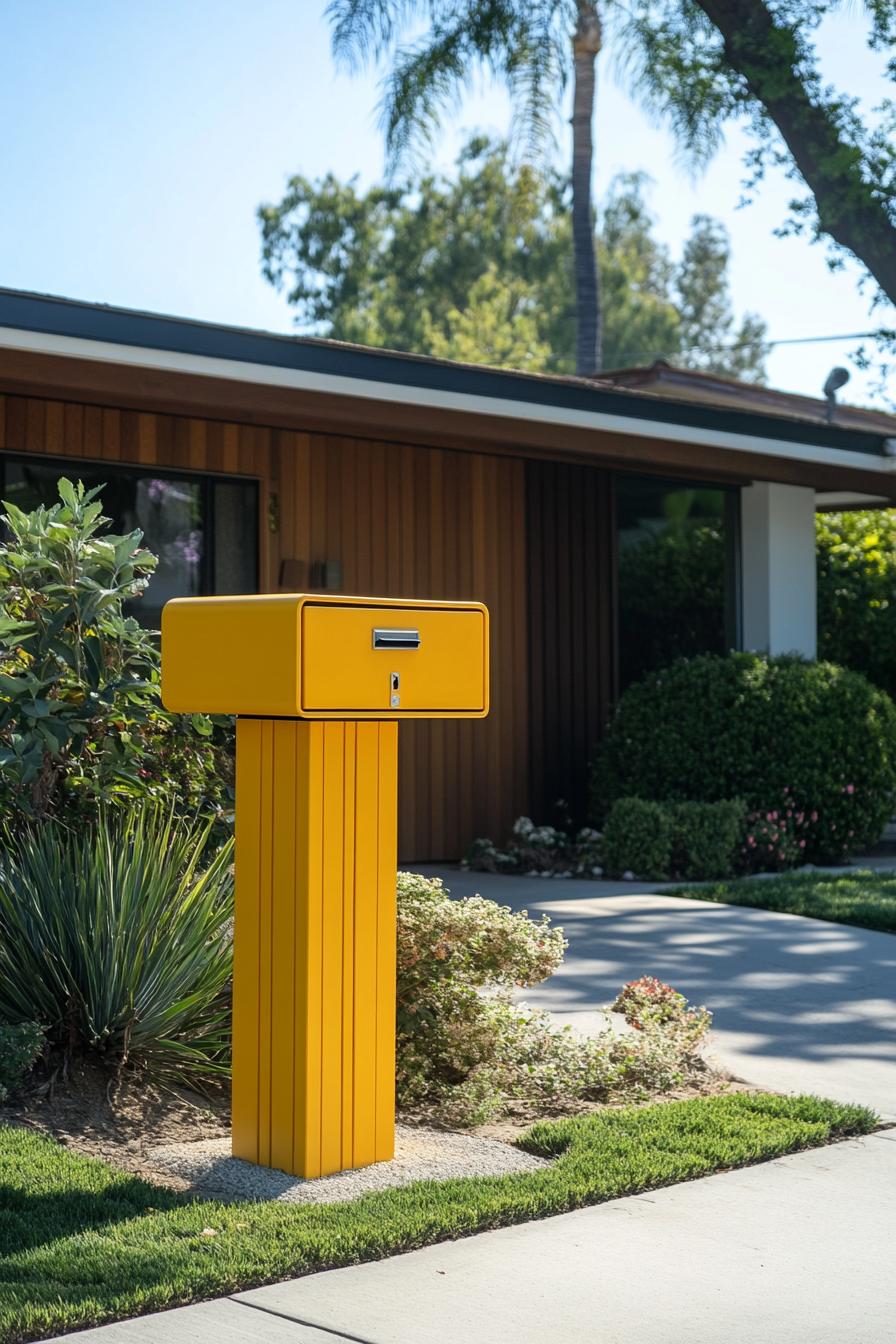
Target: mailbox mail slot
x=396 y=639
x=316 y=656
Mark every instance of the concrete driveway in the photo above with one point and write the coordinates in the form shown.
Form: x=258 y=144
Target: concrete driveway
x=799 y=1005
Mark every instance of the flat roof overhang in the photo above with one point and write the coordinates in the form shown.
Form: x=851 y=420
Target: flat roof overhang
x=72 y=351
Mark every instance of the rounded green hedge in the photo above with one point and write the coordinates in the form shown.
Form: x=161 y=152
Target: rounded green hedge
x=793 y=737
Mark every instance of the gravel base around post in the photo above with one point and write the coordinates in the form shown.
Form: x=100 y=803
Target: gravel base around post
x=420 y=1155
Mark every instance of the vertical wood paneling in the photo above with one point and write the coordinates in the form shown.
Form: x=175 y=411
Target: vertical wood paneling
x=401 y=521
x=571 y=641
x=418 y=522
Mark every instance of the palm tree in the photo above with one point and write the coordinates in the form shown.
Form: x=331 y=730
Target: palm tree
x=534 y=46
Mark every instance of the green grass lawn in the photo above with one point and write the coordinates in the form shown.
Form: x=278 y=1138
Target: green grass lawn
x=82 y=1243
x=865 y=898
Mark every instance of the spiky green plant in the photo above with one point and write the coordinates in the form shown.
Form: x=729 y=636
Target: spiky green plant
x=115 y=938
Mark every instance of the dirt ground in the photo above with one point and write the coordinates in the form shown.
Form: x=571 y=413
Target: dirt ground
x=118 y=1119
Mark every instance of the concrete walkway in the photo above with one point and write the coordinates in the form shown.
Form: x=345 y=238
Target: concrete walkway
x=799 y=1005
x=786 y=1251
x=793 y=1250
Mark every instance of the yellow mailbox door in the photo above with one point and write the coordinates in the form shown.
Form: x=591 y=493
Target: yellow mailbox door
x=374 y=658
x=318 y=684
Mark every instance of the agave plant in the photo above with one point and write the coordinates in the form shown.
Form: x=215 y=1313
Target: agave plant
x=115 y=938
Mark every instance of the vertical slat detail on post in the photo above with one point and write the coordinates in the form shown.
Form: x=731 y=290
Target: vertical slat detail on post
x=310 y=893
x=387 y=862
x=284 y=891
x=331 y=987
x=246 y=957
x=366 y=884
x=348 y=948
x=265 y=984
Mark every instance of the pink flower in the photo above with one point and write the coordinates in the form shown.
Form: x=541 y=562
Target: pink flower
x=750 y=840
x=814 y=816
x=802 y=844
x=850 y=788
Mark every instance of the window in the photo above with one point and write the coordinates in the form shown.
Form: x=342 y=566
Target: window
x=204 y=529
x=677 y=556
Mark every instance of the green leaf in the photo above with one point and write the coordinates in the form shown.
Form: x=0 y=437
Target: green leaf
x=201 y=725
x=67 y=492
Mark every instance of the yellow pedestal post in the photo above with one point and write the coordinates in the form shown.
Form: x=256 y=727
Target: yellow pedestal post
x=314 y=944
x=317 y=683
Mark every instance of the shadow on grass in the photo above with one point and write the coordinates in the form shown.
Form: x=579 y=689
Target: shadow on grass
x=34 y=1217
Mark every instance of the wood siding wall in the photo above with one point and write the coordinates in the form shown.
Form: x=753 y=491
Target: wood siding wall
x=571 y=556
x=401 y=521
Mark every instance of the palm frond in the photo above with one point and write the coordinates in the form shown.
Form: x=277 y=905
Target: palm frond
x=670 y=56
x=525 y=46
x=365 y=30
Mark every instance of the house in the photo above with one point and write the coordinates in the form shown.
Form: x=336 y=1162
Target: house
x=255 y=461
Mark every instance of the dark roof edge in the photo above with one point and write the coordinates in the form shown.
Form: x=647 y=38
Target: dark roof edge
x=121 y=326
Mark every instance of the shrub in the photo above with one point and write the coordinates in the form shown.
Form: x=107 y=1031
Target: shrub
x=20 y=1046
x=114 y=938
x=775 y=838
x=706 y=838
x=648 y=1002
x=856 y=554
x=752 y=727
x=555 y=851
x=466 y=1051
x=81 y=721
x=637 y=839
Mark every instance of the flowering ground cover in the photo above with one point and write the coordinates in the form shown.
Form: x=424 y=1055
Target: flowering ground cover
x=865 y=898
x=82 y=1243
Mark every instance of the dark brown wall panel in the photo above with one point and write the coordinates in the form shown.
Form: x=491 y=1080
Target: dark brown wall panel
x=419 y=522
x=571 y=635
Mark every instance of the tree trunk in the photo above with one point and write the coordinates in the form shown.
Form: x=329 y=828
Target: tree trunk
x=586 y=44
x=764 y=53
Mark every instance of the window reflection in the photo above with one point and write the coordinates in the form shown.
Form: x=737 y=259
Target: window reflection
x=676 y=547
x=203 y=529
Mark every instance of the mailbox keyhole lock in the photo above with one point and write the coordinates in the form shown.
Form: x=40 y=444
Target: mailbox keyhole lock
x=395 y=687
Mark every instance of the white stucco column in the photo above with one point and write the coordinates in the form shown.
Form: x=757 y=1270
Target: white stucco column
x=778 y=568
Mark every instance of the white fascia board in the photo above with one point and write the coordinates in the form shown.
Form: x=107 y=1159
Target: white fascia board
x=847 y=499
x=302 y=380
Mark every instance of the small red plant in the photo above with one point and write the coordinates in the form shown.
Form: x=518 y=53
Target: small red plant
x=649 y=1001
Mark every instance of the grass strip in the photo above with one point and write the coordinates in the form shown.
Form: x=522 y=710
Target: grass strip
x=82 y=1243
x=866 y=898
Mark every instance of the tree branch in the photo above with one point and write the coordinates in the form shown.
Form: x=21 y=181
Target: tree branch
x=766 y=54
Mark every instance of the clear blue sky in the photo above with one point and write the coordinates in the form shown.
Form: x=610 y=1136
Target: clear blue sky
x=138 y=140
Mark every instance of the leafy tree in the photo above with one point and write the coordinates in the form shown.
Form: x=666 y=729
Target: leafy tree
x=856 y=554
x=702 y=63
x=478 y=268
x=534 y=46
x=81 y=722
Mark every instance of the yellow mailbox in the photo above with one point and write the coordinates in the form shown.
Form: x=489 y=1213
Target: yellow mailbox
x=318 y=684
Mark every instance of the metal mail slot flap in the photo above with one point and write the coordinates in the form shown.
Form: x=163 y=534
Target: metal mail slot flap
x=396 y=639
